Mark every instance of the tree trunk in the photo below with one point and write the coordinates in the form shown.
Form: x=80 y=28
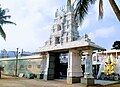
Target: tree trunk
x=115 y=8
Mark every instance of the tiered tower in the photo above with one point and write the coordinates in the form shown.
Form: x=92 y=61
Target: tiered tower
x=65 y=26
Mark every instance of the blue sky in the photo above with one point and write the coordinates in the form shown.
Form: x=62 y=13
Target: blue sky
x=34 y=19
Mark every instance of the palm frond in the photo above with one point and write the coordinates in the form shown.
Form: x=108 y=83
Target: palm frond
x=5 y=17
x=3 y=20
x=100 y=9
x=2 y=12
x=115 y=9
x=81 y=9
x=7 y=22
x=2 y=33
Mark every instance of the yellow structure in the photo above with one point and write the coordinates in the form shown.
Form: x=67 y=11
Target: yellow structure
x=109 y=67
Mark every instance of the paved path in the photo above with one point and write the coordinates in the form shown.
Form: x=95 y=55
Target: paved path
x=105 y=82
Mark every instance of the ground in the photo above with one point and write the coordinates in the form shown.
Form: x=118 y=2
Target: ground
x=8 y=81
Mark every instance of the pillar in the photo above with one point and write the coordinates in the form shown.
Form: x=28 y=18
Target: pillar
x=49 y=68
x=74 y=71
x=88 y=75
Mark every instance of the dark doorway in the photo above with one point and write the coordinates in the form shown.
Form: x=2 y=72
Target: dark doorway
x=83 y=69
x=61 y=65
x=95 y=70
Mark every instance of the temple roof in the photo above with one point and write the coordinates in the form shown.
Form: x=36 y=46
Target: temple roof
x=80 y=45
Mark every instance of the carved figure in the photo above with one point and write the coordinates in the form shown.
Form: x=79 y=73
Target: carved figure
x=109 y=67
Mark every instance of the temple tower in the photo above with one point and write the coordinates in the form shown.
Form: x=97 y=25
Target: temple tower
x=65 y=27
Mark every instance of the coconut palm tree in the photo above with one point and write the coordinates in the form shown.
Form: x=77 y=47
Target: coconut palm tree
x=82 y=6
x=3 y=20
x=115 y=8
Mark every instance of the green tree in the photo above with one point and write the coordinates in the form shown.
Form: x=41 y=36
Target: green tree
x=81 y=8
x=116 y=45
x=3 y=20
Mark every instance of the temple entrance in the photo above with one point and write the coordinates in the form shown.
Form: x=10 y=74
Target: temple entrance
x=61 y=65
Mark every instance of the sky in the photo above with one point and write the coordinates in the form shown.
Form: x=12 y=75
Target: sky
x=34 y=19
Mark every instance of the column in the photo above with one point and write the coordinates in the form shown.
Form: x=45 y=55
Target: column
x=88 y=75
x=74 y=71
x=50 y=65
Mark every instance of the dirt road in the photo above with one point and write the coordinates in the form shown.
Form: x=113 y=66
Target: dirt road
x=8 y=81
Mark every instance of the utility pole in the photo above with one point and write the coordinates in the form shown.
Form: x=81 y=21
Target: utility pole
x=16 y=62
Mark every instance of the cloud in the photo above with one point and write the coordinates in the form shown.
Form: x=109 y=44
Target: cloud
x=33 y=19
x=106 y=32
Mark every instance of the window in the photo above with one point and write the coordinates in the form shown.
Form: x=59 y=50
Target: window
x=57 y=40
x=74 y=38
x=58 y=27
